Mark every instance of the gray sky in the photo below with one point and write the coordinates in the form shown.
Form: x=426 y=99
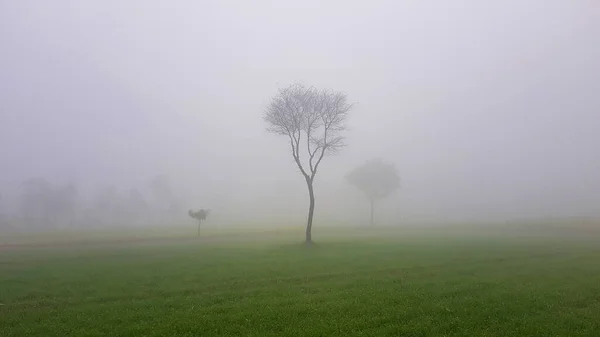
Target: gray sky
x=490 y=109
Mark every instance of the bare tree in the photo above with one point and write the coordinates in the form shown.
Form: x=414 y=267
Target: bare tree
x=312 y=120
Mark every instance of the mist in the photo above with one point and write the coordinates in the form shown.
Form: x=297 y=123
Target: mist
x=490 y=111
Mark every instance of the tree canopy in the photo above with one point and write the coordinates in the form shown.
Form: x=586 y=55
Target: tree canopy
x=376 y=179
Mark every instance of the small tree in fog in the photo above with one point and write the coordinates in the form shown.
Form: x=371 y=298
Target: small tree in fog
x=376 y=179
x=312 y=121
x=199 y=215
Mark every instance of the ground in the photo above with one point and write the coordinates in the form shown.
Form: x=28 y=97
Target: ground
x=385 y=282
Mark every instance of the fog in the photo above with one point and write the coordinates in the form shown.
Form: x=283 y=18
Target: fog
x=489 y=110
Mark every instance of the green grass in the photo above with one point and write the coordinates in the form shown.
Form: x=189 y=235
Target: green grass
x=92 y=235
x=407 y=284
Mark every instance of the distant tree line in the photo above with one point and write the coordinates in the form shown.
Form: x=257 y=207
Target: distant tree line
x=41 y=204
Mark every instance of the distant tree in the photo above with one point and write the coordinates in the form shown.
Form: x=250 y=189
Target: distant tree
x=199 y=215
x=166 y=202
x=35 y=204
x=376 y=179
x=136 y=206
x=106 y=204
x=161 y=189
x=136 y=200
x=64 y=203
x=45 y=204
x=312 y=120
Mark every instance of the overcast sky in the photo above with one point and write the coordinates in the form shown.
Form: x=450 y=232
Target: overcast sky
x=490 y=109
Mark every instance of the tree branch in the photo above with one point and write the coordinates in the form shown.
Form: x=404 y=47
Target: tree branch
x=323 y=148
x=320 y=114
x=295 y=142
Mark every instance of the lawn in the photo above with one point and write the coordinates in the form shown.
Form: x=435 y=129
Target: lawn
x=382 y=284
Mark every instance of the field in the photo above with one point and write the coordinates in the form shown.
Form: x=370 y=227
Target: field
x=353 y=283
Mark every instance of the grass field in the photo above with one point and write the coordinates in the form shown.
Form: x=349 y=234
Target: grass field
x=386 y=283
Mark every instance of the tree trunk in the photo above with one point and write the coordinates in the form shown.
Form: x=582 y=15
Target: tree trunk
x=311 y=212
x=372 y=212
x=199 y=223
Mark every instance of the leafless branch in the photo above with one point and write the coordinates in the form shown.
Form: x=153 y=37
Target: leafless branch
x=318 y=114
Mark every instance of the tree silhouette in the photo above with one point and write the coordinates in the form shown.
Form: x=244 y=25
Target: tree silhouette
x=312 y=120
x=199 y=215
x=45 y=204
x=376 y=179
